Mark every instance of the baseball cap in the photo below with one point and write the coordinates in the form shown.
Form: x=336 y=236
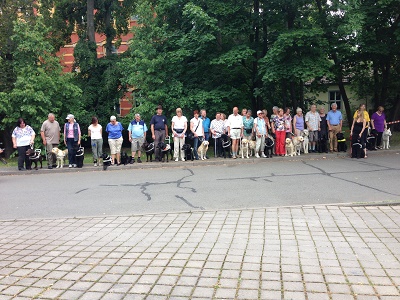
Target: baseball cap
x=259 y=112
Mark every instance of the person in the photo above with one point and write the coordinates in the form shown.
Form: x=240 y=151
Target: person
x=378 y=122
x=72 y=139
x=357 y=129
x=196 y=127
x=137 y=135
x=323 y=125
x=279 y=130
x=362 y=108
x=23 y=136
x=217 y=128
x=248 y=124
x=298 y=122
x=244 y=112
x=260 y=130
x=288 y=123
x=179 y=128
x=235 y=130
x=115 y=139
x=50 y=134
x=313 y=125
x=95 y=132
x=266 y=120
x=159 y=130
x=335 y=122
x=274 y=113
x=226 y=122
x=206 y=124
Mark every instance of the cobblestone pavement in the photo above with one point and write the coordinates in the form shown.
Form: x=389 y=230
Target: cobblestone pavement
x=303 y=252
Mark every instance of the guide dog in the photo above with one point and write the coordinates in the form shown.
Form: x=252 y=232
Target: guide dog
x=357 y=149
x=385 y=138
x=80 y=156
x=341 y=142
x=269 y=146
x=305 y=140
x=297 y=141
x=149 y=149
x=165 y=150
x=60 y=154
x=289 y=147
x=106 y=160
x=371 y=139
x=188 y=151
x=322 y=147
x=244 y=146
x=202 y=150
x=35 y=157
x=226 y=145
x=125 y=158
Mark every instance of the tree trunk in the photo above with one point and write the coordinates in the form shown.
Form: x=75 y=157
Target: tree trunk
x=108 y=30
x=293 y=98
x=90 y=20
x=376 y=82
x=8 y=147
x=385 y=82
x=339 y=77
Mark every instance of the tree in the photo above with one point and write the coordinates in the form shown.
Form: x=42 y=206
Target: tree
x=40 y=85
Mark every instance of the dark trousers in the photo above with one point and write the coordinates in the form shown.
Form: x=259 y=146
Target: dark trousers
x=196 y=146
x=72 y=146
x=160 y=138
x=379 y=139
x=22 y=157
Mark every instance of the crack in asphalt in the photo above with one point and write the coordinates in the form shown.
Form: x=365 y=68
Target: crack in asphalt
x=189 y=204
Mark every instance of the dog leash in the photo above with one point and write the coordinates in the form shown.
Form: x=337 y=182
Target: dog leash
x=393 y=122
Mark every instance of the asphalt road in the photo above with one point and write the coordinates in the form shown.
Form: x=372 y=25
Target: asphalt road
x=184 y=187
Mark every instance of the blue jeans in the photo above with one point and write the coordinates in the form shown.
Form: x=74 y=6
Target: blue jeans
x=72 y=147
x=206 y=136
x=195 y=146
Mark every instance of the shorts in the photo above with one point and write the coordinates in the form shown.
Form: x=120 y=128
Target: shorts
x=313 y=136
x=115 y=145
x=137 y=143
x=235 y=134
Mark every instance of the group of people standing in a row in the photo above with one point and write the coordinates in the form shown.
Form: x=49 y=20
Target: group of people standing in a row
x=199 y=128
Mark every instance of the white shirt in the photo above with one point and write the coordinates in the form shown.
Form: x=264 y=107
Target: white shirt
x=179 y=123
x=199 y=122
x=95 y=132
x=235 y=121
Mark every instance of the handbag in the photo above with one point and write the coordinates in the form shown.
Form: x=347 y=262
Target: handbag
x=191 y=134
x=249 y=130
x=179 y=131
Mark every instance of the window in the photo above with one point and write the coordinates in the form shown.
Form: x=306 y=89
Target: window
x=335 y=97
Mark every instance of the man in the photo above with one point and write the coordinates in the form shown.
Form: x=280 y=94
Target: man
x=159 y=130
x=206 y=124
x=217 y=127
x=335 y=121
x=261 y=131
x=235 y=130
x=313 y=125
x=137 y=134
x=50 y=133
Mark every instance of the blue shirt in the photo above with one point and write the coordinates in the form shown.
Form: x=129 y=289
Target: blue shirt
x=334 y=118
x=114 y=131
x=137 y=129
x=206 y=124
x=159 y=122
x=260 y=125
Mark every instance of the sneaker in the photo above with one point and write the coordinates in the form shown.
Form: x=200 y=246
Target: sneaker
x=176 y=159
x=257 y=156
x=183 y=159
x=263 y=155
x=74 y=165
x=139 y=160
x=50 y=167
x=69 y=166
x=95 y=164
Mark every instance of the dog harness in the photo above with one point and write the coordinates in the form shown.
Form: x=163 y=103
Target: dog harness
x=36 y=154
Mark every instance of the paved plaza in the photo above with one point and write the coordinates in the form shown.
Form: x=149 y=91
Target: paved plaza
x=299 y=252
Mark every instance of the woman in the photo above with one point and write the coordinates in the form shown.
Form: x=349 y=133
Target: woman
x=266 y=119
x=288 y=123
x=95 y=133
x=217 y=127
x=226 y=123
x=362 y=109
x=22 y=137
x=323 y=133
x=114 y=130
x=298 y=122
x=179 y=127
x=357 y=129
x=280 y=131
x=248 y=122
x=244 y=112
x=196 y=127
x=72 y=139
x=378 y=122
